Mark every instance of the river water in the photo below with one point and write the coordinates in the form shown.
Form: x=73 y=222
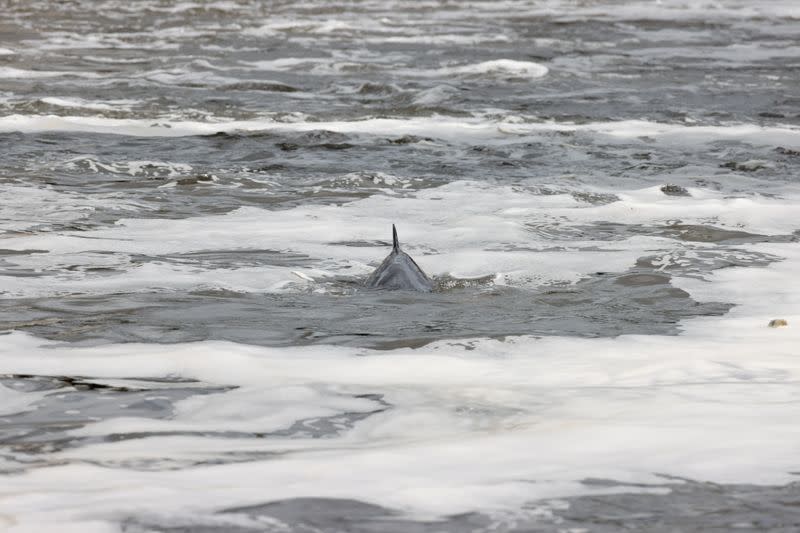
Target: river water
x=605 y=193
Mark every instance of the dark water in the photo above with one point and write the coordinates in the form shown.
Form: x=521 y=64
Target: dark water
x=689 y=506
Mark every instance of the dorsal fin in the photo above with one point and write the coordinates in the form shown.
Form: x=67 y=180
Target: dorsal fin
x=399 y=271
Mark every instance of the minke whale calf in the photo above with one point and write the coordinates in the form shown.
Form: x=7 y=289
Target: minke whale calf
x=399 y=271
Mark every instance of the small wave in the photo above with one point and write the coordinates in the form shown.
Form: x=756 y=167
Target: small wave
x=184 y=7
x=266 y=86
x=148 y=169
x=116 y=60
x=80 y=103
x=363 y=178
x=185 y=78
x=442 y=39
x=453 y=129
x=287 y=63
x=41 y=209
x=325 y=27
x=500 y=67
x=434 y=96
x=16 y=73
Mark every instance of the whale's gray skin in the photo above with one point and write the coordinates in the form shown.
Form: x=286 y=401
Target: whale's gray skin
x=399 y=271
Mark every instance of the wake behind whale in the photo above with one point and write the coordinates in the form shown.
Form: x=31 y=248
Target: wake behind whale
x=399 y=272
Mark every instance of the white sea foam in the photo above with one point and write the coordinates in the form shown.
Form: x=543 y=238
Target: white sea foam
x=146 y=168
x=321 y=27
x=364 y=179
x=437 y=38
x=499 y=67
x=310 y=230
x=451 y=129
x=182 y=7
x=110 y=105
x=154 y=39
x=337 y=62
x=466 y=229
x=117 y=61
x=21 y=74
x=154 y=276
x=287 y=63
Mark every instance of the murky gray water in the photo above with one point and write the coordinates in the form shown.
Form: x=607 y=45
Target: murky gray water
x=689 y=506
x=113 y=113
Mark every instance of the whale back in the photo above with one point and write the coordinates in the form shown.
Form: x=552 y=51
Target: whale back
x=399 y=271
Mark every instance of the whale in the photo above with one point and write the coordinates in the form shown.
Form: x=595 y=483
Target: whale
x=399 y=272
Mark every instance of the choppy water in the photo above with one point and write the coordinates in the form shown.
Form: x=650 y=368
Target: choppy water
x=606 y=194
